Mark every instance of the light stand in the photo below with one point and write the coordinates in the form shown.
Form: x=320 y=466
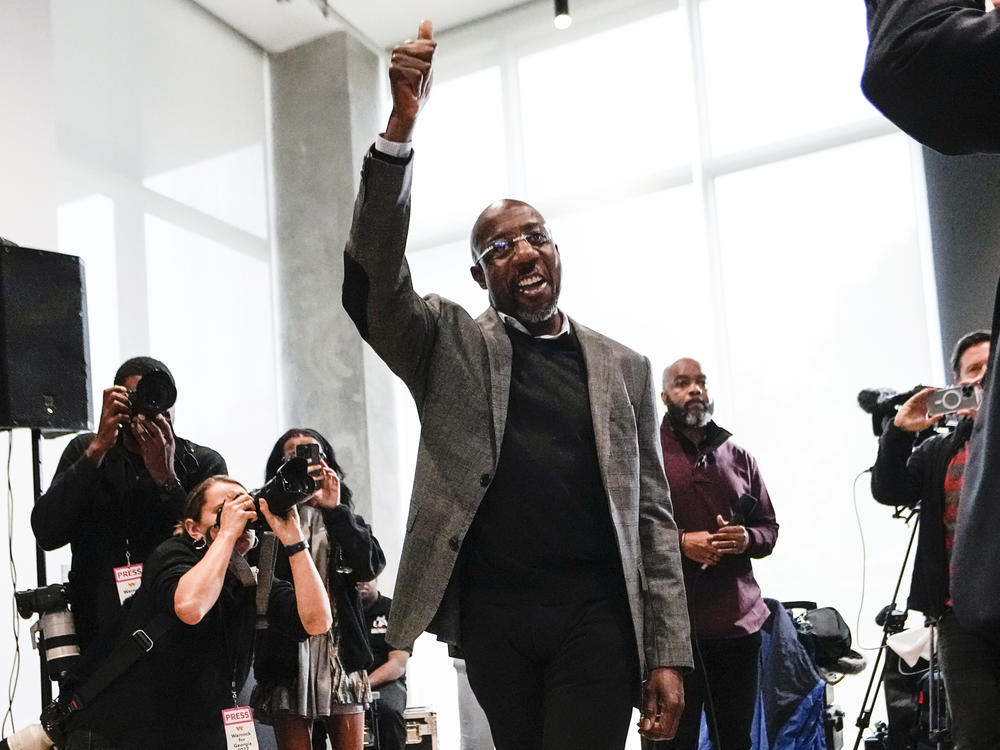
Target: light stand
x=893 y=621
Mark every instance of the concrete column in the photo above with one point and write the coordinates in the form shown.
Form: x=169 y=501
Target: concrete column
x=325 y=107
x=963 y=196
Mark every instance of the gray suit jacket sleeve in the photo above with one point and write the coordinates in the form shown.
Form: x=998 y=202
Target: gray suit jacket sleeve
x=666 y=639
x=378 y=292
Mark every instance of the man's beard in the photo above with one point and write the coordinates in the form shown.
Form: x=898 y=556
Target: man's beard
x=537 y=316
x=692 y=417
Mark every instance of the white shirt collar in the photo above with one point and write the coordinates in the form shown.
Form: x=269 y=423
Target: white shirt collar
x=515 y=323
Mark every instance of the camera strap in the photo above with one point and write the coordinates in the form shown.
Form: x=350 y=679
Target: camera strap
x=126 y=653
x=265 y=577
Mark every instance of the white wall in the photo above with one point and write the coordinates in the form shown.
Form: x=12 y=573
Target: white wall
x=27 y=217
x=134 y=135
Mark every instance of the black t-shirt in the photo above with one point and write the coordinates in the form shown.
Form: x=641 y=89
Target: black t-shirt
x=173 y=696
x=376 y=624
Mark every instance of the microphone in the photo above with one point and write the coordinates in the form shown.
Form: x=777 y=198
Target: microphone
x=881 y=403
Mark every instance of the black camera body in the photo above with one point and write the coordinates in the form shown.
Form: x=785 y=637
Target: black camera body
x=55 y=632
x=950 y=400
x=154 y=394
x=289 y=486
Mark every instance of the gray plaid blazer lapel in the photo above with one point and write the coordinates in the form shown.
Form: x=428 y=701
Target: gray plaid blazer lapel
x=596 y=357
x=498 y=350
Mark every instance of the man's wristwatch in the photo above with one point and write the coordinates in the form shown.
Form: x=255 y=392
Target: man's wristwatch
x=299 y=546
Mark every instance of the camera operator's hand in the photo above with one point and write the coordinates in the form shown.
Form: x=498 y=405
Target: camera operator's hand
x=155 y=437
x=327 y=494
x=912 y=415
x=115 y=412
x=410 y=78
x=698 y=546
x=236 y=513
x=285 y=527
x=730 y=540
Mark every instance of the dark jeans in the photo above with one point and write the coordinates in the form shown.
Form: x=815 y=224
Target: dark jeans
x=729 y=666
x=551 y=677
x=388 y=710
x=971 y=667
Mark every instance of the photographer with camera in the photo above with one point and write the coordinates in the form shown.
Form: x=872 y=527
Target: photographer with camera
x=324 y=679
x=931 y=476
x=116 y=495
x=182 y=692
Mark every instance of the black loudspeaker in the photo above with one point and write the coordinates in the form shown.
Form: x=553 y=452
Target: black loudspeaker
x=44 y=350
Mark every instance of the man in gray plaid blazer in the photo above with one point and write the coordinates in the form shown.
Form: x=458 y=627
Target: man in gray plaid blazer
x=540 y=538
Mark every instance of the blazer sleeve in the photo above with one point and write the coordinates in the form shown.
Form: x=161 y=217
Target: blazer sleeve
x=378 y=291
x=666 y=634
x=932 y=68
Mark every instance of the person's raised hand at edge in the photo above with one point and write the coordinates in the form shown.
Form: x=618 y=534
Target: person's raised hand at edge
x=410 y=77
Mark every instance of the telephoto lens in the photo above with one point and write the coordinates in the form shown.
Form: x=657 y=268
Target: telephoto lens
x=290 y=485
x=57 y=637
x=30 y=738
x=154 y=394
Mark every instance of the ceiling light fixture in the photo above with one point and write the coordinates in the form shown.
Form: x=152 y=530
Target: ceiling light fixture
x=562 y=19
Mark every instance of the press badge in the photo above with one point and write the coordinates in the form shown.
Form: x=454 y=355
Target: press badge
x=240 y=733
x=127 y=579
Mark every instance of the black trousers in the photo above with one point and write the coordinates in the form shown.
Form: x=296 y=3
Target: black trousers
x=970 y=662
x=388 y=713
x=551 y=677
x=724 y=683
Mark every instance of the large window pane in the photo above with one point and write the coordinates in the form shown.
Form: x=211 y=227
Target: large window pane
x=461 y=163
x=210 y=321
x=607 y=108
x=231 y=187
x=637 y=270
x=87 y=229
x=824 y=296
x=776 y=70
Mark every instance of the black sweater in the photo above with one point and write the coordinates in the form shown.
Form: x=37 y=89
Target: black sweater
x=543 y=532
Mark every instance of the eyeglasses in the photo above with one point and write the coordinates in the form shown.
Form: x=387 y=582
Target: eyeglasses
x=501 y=249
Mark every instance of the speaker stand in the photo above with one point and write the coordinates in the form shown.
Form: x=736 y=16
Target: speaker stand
x=40 y=573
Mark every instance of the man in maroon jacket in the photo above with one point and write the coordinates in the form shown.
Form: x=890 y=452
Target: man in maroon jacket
x=724 y=518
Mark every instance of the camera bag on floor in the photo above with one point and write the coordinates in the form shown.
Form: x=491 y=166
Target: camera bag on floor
x=823 y=632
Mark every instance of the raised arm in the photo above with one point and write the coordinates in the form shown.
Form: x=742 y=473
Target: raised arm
x=361 y=550
x=199 y=588
x=378 y=292
x=897 y=476
x=932 y=68
x=61 y=512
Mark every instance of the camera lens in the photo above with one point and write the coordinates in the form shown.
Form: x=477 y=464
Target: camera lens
x=951 y=399
x=154 y=394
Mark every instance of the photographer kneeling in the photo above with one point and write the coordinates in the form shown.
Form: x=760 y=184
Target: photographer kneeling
x=174 y=696
x=931 y=475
